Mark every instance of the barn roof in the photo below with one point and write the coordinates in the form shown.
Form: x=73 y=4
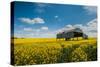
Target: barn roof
x=74 y=30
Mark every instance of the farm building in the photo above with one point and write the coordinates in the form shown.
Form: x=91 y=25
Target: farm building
x=73 y=33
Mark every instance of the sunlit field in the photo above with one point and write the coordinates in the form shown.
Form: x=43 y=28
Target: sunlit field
x=49 y=50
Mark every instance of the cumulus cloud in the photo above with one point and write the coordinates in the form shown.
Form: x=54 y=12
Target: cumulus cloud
x=34 y=32
x=92 y=23
x=32 y=21
x=44 y=28
x=69 y=26
x=90 y=9
x=90 y=28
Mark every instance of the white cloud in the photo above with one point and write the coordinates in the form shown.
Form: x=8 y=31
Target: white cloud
x=29 y=32
x=92 y=23
x=44 y=28
x=28 y=29
x=56 y=16
x=34 y=34
x=78 y=25
x=69 y=26
x=90 y=28
x=32 y=21
x=37 y=30
x=90 y=9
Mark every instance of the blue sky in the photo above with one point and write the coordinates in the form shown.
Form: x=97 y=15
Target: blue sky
x=40 y=20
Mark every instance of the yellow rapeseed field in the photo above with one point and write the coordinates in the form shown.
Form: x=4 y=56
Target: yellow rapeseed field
x=49 y=50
